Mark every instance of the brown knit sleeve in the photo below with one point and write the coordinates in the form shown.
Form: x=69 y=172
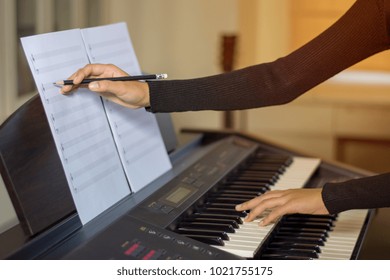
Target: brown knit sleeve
x=358 y=34
x=364 y=193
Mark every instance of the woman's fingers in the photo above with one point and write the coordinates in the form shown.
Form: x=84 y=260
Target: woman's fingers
x=270 y=203
x=279 y=203
x=92 y=71
x=129 y=94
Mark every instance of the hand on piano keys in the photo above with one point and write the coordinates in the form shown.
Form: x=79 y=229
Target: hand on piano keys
x=281 y=202
x=299 y=236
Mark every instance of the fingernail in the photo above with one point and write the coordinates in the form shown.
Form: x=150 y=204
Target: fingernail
x=93 y=85
x=238 y=206
x=261 y=223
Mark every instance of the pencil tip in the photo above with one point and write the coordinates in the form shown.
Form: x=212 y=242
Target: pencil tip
x=59 y=83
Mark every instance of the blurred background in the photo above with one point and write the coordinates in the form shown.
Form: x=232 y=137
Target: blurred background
x=345 y=119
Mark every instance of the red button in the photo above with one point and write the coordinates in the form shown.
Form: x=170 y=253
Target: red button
x=149 y=255
x=131 y=249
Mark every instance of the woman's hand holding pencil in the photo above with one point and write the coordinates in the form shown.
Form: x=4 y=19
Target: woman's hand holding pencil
x=113 y=83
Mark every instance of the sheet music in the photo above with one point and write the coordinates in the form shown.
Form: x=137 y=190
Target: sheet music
x=136 y=132
x=78 y=123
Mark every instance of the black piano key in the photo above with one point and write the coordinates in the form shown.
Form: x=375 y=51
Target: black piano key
x=302 y=234
x=307 y=225
x=258 y=173
x=212 y=240
x=194 y=231
x=266 y=167
x=234 y=217
x=253 y=178
x=286 y=244
x=219 y=210
x=302 y=229
x=282 y=257
x=326 y=224
x=231 y=195
x=273 y=157
x=222 y=211
x=226 y=192
x=246 y=180
x=239 y=186
x=232 y=200
x=271 y=162
x=249 y=170
x=246 y=187
x=305 y=240
x=206 y=225
x=257 y=183
x=220 y=205
x=293 y=252
x=231 y=222
x=237 y=193
x=281 y=159
x=329 y=222
x=318 y=216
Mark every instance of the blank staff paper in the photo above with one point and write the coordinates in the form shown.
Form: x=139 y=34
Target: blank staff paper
x=97 y=165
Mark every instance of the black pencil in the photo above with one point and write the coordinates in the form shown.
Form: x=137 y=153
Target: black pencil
x=125 y=78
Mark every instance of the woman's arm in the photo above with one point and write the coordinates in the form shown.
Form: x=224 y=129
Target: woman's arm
x=361 y=32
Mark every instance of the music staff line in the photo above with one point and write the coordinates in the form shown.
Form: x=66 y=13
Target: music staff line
x=94 y=148
x=79 y=61
x=84 y=137
x=107 y=56
x=93 y=116
x=128 y=134
x=125 y=115
x=140 y=142
x=141 y=154
x=90 y=182
x=108 y=43
x=86 y=169
x=124 y=130
x=57 y=52
x=66 y=112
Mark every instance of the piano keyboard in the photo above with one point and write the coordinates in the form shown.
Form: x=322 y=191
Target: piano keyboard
x=342 y=240
x=330 y=237
x=215 y=221
x=247 y=239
